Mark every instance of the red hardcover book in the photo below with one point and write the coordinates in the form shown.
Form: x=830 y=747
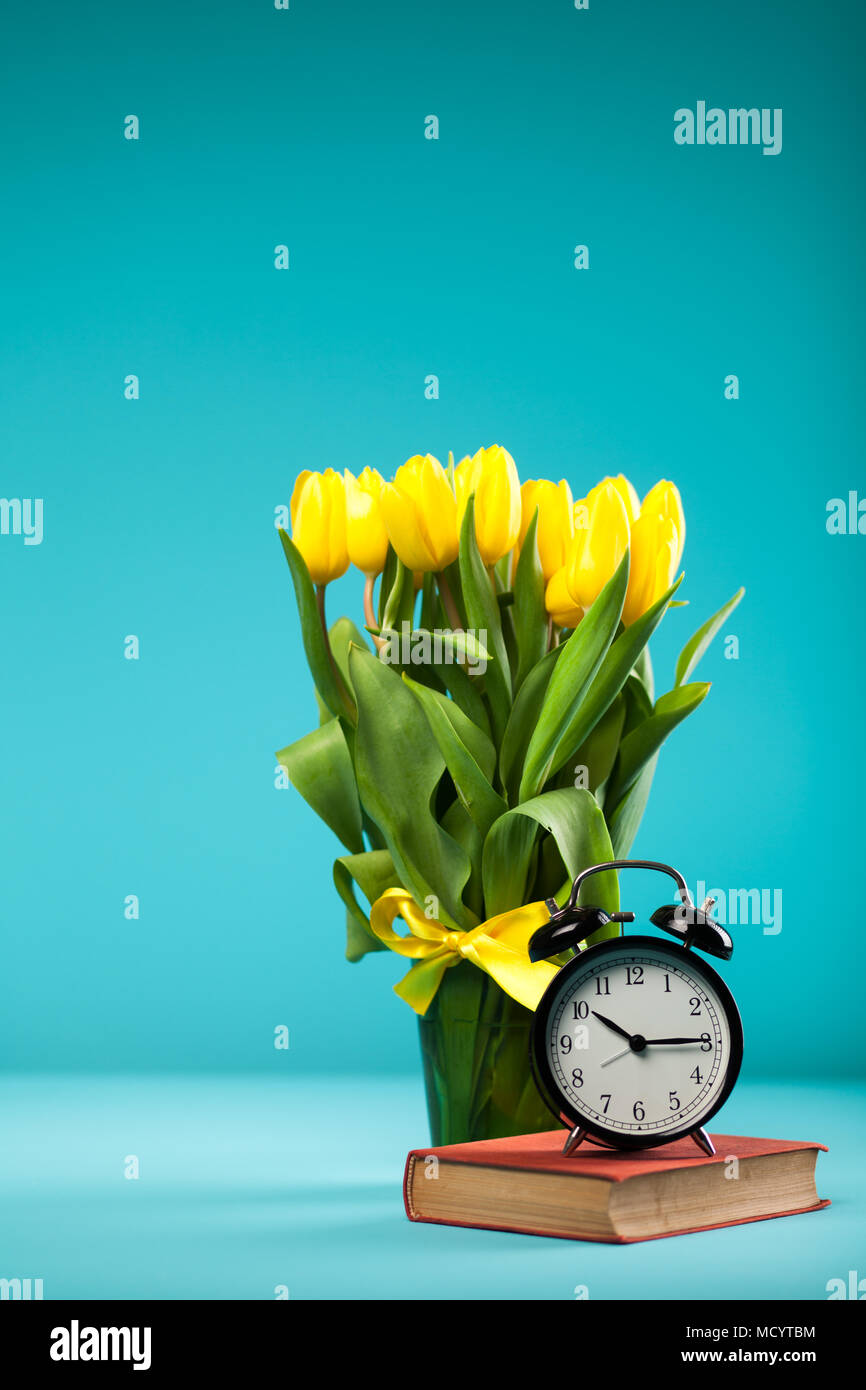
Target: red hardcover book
x=528 y=1185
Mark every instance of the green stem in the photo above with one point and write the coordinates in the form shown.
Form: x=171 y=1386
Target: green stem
x=448 y=603
x=341 y=684
x=370 y=612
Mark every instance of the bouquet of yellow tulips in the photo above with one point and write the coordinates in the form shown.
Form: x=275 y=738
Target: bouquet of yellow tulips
x=495 y=732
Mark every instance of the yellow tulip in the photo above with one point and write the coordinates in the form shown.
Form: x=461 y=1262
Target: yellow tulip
x=655 y=551
x=555 y=529
x=366 y=533
x=597 y=550
x=626 y=492
x=297 y=490
x=580 y=519
x=559 y=603
x=656 y=548
x=318 y=509
x=664 y=500
x=491 y=474
x=420 y=513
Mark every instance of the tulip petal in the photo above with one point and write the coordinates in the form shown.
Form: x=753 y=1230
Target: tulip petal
x=596 y=552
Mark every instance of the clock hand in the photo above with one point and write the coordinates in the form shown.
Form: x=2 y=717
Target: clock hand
x=615 y=1056
x=651 y=1041
x=623 y=1032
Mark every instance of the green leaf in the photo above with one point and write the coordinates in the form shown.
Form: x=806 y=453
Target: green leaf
x=342 y=634
x=467 y=753
x=320 y=767
x=476 y=741
x=523 y=719
x=643 y=669
x=624 y=653
x=464 y=693
x=324 y=713
x=386 y=583
x=647 y=738
x=462 y=828
x=482 y=615
x=530 y=615
x=638 y=704
x=400 y=603
x=432 y=612
x=697 y=645
x=319 y=660
x=598 y=752
x=505 y=605
x=575 y=671
x=573 y=818
x=398 y=767
x=373 y=871
x=626 y=818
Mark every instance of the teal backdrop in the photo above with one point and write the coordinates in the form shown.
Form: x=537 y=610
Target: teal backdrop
x=408 y=257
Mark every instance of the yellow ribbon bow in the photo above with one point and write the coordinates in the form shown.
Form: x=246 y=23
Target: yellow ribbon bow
x=499 y=946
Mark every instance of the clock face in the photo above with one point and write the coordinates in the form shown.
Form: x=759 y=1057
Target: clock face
x=637 y=1042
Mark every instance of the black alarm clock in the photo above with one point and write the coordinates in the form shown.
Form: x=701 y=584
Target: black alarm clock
x=637 y=1041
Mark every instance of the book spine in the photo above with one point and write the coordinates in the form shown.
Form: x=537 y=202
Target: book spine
x=408 y=1181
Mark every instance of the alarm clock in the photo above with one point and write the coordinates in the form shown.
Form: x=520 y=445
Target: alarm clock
x=636 y=1041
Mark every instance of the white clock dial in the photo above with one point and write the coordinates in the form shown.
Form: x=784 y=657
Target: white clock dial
x=639 y=1041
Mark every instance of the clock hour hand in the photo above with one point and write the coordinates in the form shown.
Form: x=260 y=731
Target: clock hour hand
x=623 y=1032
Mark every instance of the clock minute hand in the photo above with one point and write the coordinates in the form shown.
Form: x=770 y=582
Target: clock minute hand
x=651 y=1041
x=623 y=1032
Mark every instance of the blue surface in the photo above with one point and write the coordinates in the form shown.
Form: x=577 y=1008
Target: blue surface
x=246 y=1184
x=408 y=257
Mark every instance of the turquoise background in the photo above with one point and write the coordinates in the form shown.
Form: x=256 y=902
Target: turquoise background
x=245 y=1184
x=408 y=257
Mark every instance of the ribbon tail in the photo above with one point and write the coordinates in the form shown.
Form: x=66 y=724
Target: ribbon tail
x=418 y=987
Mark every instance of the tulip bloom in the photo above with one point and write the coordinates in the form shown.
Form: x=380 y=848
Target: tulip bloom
x=559 y=603
x=420 y=512
x=664 y=500
x=596 y=551
x=318 y=510
x=656 y=547
x=491 y=475
x=366 y=533
x=555 y=530
x=626 y=492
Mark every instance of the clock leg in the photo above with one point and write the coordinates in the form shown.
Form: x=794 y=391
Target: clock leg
x=574 y=1140
x=704 y=1142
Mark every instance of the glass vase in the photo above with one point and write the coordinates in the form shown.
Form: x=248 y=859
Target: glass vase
x=475 y=1050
